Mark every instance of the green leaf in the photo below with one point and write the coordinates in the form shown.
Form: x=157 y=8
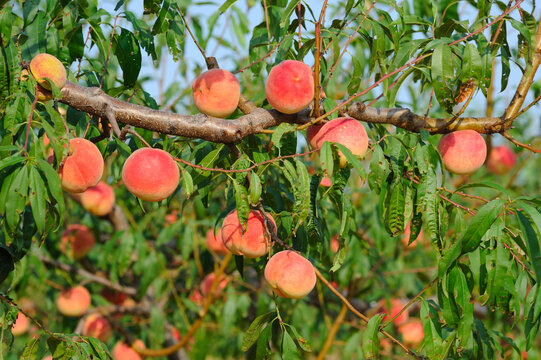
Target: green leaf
x=326 y=159
x=128 y=52
x=54 y=186
x=6 y=264
x=279 y=132
x=289 y=349
x=287 y=13
x=532 y=241
x=482 y=221
x=253 y=332
x=226 y=5
x=353 y=160
x=370 y=343
x=263 y=343
x=242 y=204
x=37 y=198
x=301 y=341
x=472 y=65
x=441 y=65
x=187 y=182
x=9 y=161
x=255 y=188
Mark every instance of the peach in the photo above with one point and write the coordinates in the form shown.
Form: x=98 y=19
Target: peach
x=396 y=307
x=99 y=200
x=207 y=283
x=290 y=86
x=47 y=66
x=49 y=357
x=98 y=327
x=406 y=237
x=216 y=93
x=215 y=243
x=197 y=297
x=73 y=302
x=171 y=218
x=114 y=297
x=150 y=174
x=83 y=167
x=290 y=275
x=123 y=351
x=501 y=160
x=345 y=131
x=412 y=332
x=21 y=325
x=463 y=152
x=334 y=244
x=326 y=181
x=311 y=133
x=254 y=242
x=77 y=241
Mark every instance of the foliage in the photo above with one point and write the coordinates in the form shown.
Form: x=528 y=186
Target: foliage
x=480 y=258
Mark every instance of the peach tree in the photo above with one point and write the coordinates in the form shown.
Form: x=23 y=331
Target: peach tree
x=265 y=179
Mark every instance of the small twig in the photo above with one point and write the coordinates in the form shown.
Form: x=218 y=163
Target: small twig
x=129 y=130
x=86 y=274
x=518 y=143
x=28 y=127
x=108 y=53
x=332 y=332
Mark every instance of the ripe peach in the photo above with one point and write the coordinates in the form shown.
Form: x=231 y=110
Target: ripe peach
x=216 y=93
x=396 y=307
x=83 y=166
x=197 y=297
x=98 y=327
x=99 y=200
x=406 y=237
x=463 y=152
x=345 y=131
x=254 y=242
x=215 y=243
x=326 y=181
x=501 y=160
x=123 y=351
x=114 y=297
x=334 y=243
x=290 y=86
x=412 y=332
x=49 y=357
x=150 y=174
x=311 y=133
x=47 y=66
x=73 y=302
x=171 y=218
x=21 y=325
x=207 y=283
x=290 y=275
x=77 y=241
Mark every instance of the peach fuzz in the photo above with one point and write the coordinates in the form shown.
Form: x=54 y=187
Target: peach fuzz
x=396 y=306
x=77 y=241
x=406 y=237
x=216 y=92
x=47 y=66
x=73 y=302
x=290 y=86
x=21 y=325
x=123 y=351
x=215 y=243
x=206 y=284
x=99 y=200
x=98 y=327
x=254 y=242
x=83 y=167
x=412 y=332
x=463 y=152
x=150 y=174
x=345 y=131
x=501 y=160
x=290 y=275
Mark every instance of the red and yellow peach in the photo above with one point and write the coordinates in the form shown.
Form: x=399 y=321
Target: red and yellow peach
x=47 y=66
x=99 y=200
x=216 y=92
x=77 y=241
x=82 y=168
x=215 y=243
x=290 y=86
x=254 y=242
x=345 y=131
x=21 y=325
x=150 y=174
x=123 y=351
x=462 y=152
x=73 y=302
x=501 y=160
x=290 y=275
x=412 y=333
x=98 y=327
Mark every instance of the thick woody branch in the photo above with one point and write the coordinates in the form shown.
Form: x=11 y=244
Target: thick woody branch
x=95 y=102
